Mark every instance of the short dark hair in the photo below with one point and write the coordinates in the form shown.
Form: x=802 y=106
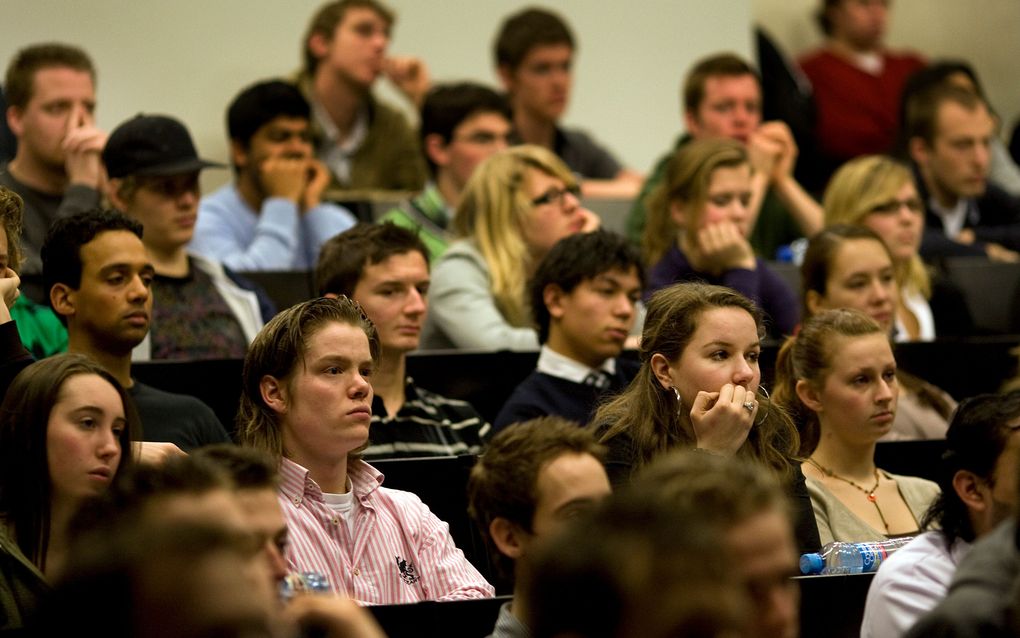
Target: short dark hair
x=248 y=468
x=504 y=481
x=575 y=259
x=922 y=109
x=722 y=64
x=329 y=16
x=12 y=209
x=261 y=103
x=28 y=61
x=527 y=29
x=343 y=258
x=61 y=250
x=277 y=350
x=446 y=106
x=977 y=437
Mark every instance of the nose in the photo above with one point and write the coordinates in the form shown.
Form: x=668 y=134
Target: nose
x=416 y=303
x=360 y=388
x=109 y=446
x=982 y=157
x=780 y=613
x=624 y=307
x=570 y=202
x=879 y=292
x=138 y=291
x=886 y=391
x=743 y=374
x=275 y=560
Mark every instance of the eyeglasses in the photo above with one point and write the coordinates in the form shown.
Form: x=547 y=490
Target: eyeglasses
x=894 y=205
x=557 y=195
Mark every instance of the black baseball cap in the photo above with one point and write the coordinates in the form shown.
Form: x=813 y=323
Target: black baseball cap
x=152 y=145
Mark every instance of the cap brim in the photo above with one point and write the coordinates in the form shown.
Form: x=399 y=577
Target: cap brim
x=176 y=168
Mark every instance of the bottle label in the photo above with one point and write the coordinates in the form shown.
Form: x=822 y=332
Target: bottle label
x=872 y=555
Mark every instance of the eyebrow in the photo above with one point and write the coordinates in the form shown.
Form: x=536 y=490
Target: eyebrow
x=145 y=268
x=727 y=344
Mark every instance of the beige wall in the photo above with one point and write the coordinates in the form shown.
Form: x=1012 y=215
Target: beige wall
x=985 y=32
x=189 y=57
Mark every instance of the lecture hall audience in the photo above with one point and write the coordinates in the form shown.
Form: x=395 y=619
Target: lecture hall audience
x=205 y=537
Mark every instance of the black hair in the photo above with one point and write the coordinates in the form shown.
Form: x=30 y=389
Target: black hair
x=575 y=259
x=61 y=250
x=447 y=105
x=247 y=467
x=261 y=103
x=977 y=436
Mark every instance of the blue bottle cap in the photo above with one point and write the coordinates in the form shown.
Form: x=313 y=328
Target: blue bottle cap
x=811 y=564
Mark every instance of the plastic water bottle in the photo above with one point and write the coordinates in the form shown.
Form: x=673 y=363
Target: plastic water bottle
x=303 y=582
x=850 y=558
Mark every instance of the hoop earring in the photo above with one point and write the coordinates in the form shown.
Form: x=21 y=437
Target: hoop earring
x=679 y=401
x=768 y=406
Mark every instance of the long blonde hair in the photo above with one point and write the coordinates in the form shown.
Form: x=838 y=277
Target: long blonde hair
x=687 y=180
x=492 y=212
x=860 y=185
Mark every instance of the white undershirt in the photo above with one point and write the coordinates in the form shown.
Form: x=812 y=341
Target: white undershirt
x=342 y=505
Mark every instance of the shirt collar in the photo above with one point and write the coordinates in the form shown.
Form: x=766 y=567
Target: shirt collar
x=296 y=482
x=557 y=365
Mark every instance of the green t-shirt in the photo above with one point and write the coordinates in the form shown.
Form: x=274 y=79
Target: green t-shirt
x=41 y=330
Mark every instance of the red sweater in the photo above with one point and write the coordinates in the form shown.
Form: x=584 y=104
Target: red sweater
x=857 y=112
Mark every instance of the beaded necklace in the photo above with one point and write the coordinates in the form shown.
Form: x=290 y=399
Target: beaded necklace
x=869 y=494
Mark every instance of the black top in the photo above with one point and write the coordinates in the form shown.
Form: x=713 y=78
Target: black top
x=176 y=418
x=542 y=394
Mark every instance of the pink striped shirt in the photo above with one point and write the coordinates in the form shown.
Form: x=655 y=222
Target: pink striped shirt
x=401 y=552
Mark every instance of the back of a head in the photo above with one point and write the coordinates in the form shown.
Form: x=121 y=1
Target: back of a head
x=580 y=257
x=525 y=30
x=636 y=567
x=344 y=257
x=504 y=481
x=978 y=435
x=246 y=467
x=21 y=70
x=12 y=209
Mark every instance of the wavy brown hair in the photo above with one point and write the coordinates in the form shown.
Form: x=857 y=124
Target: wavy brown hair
x=647 y=413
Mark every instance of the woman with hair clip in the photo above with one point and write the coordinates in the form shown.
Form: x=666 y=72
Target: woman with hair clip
x=698 y=388
x=851 y=267
x=837 y=377
x=516 y=206
x=878 y=192
x=65 y=425
x=698 y=224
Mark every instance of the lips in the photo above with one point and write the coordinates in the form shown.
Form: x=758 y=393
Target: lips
x=884 y=416
x=138 y=318
x=103 y=473
x=617 y=334
x=361 y=410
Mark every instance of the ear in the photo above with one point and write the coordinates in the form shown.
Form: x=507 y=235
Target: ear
x=62 y=298
x=813 y=301
x=676 y=213
x=967 y=486
x=553 y=296
x=113 y=194
x=331 y=295
x=506 y=76
x=318 y=44
x=435 y=148
x=918 y=150
x=809 y=396
x=14 y=120
x=238 y=154
x=508 y=537
x=661 y=369
x=691 y=124
x=274 y=393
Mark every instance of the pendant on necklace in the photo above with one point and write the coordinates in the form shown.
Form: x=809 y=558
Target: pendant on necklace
x=871 y=497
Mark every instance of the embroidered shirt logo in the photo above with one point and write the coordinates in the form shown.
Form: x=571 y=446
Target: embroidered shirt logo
x=408 y=573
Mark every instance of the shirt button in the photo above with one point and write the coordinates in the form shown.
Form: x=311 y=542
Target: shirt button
x=335 y=520
x=357 y=572
x=297 y=500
